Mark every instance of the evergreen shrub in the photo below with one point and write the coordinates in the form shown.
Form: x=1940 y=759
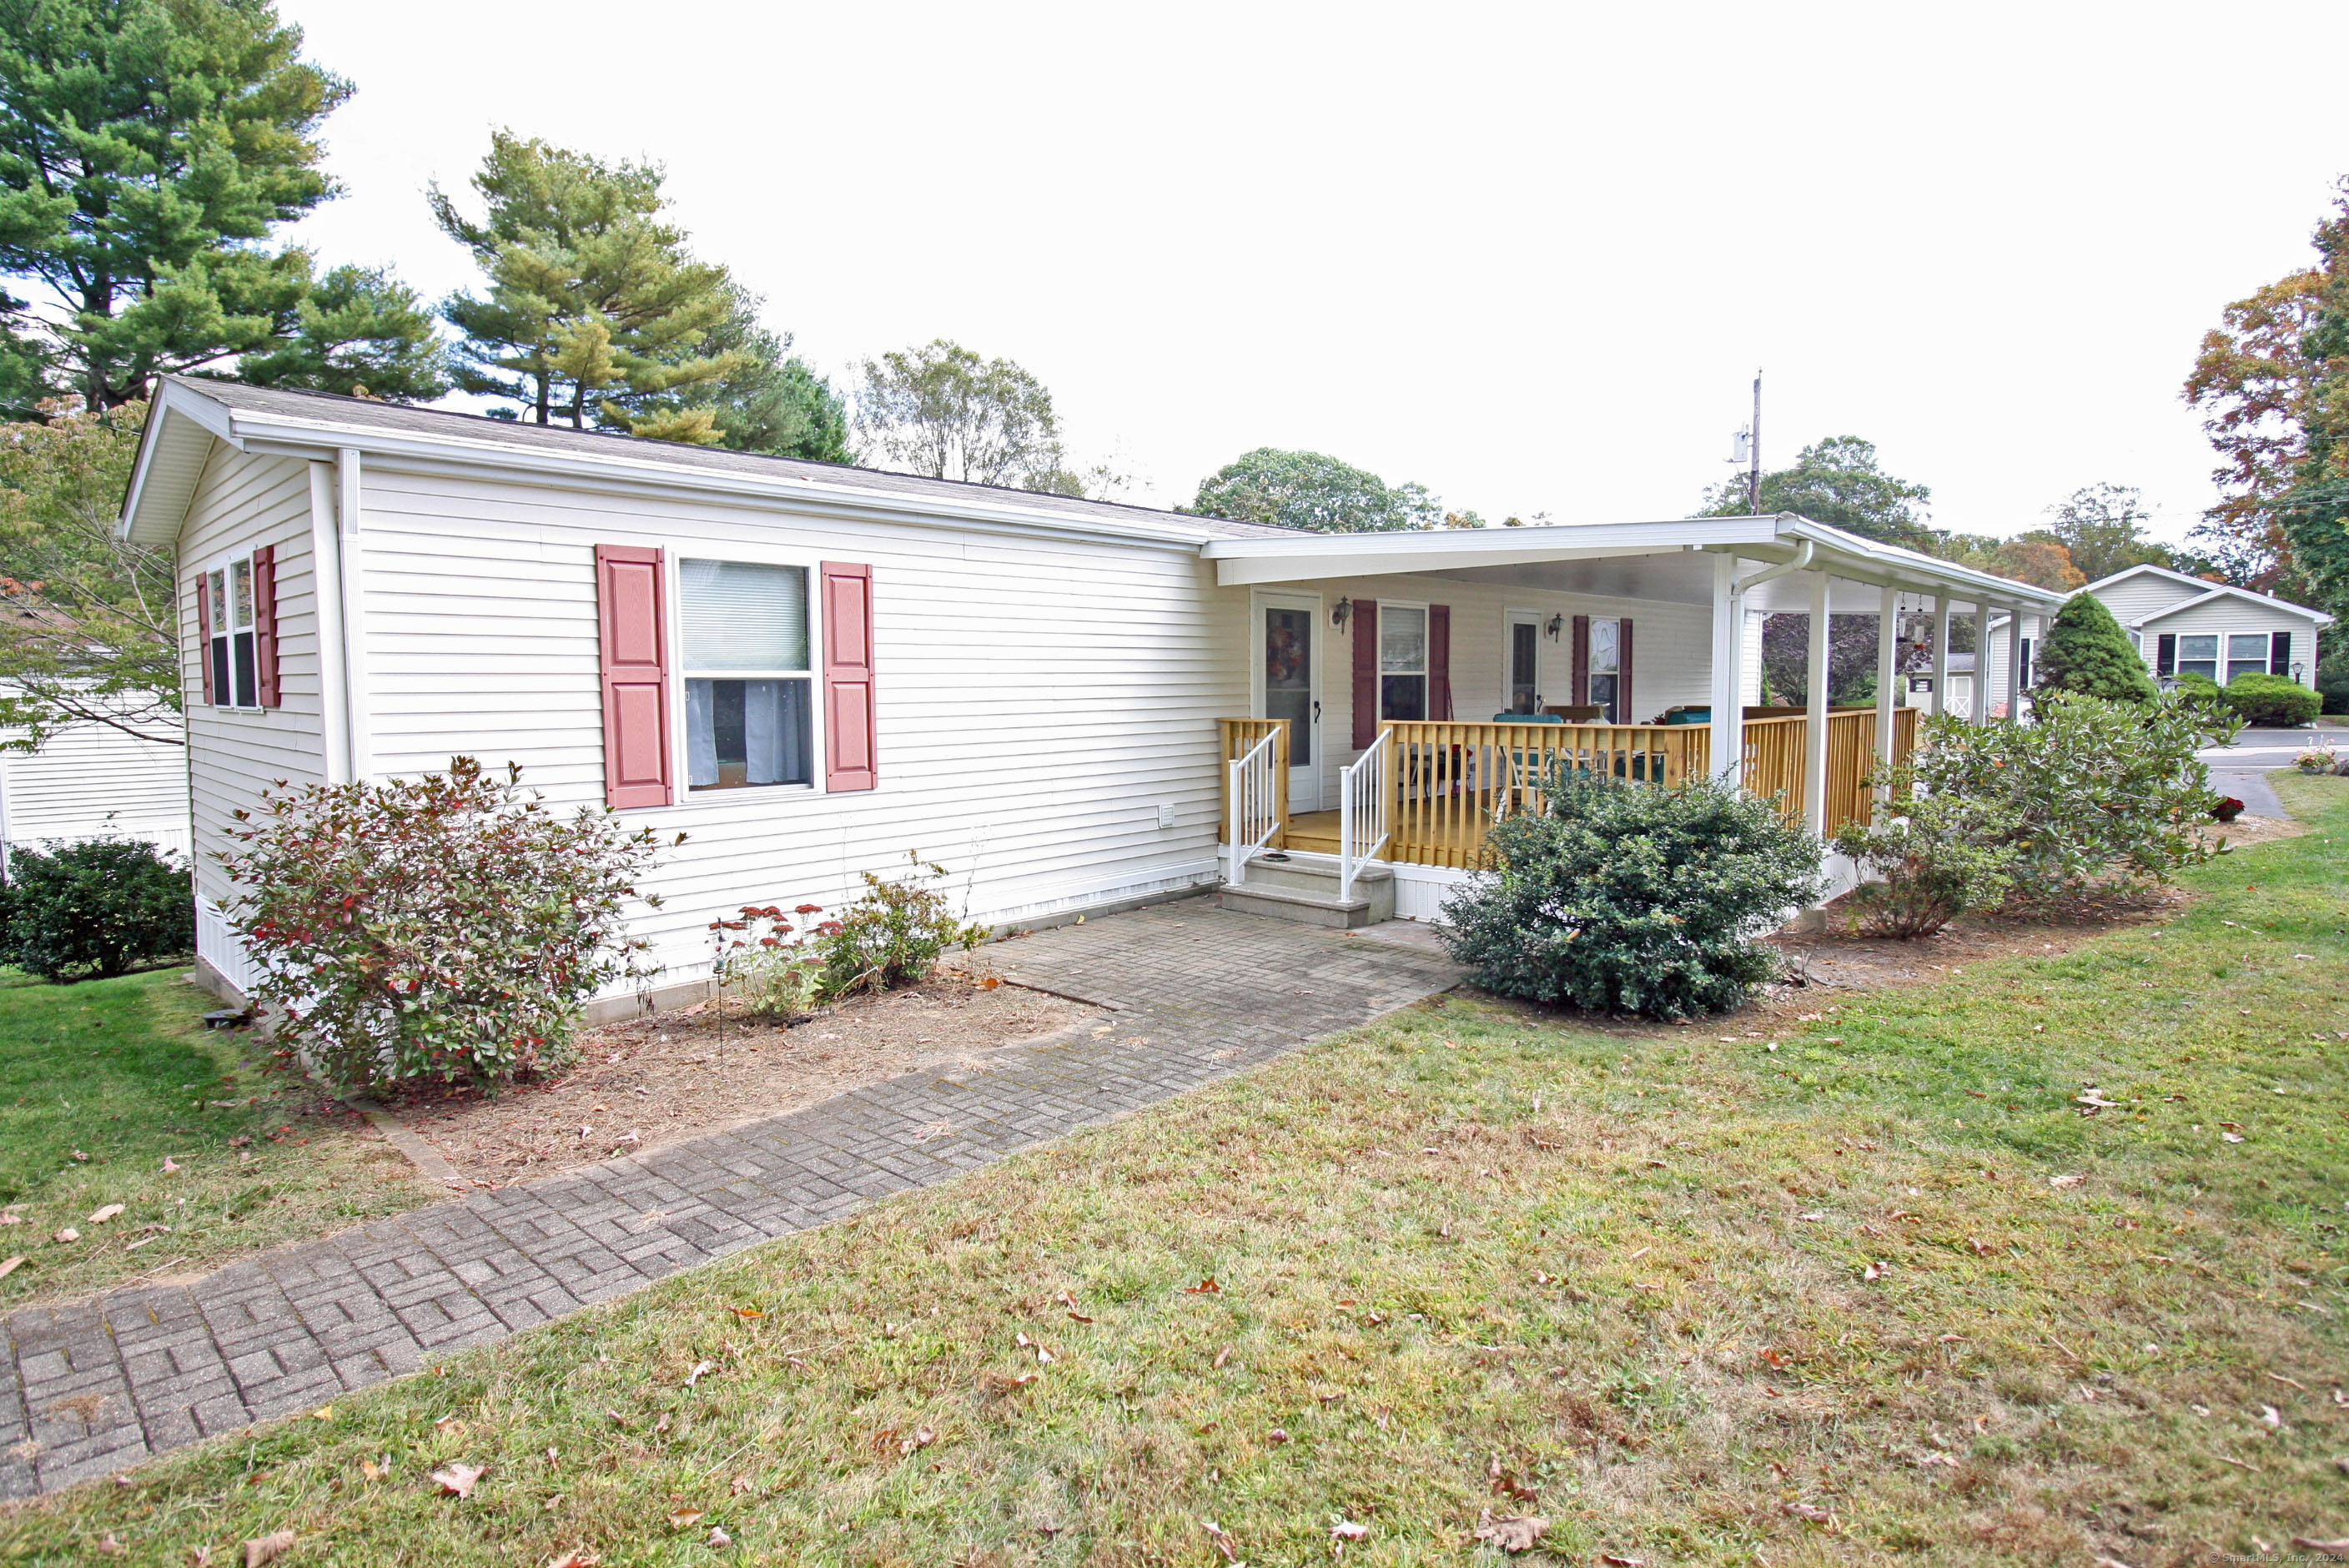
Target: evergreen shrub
x=93 y=910
x=1629 y=898
x=1941 y=856
x=2271 y=702
x=2086 y=653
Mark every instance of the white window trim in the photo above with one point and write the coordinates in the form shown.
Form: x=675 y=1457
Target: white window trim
x=226 y=564
x=2267 y=658
x=674 y=553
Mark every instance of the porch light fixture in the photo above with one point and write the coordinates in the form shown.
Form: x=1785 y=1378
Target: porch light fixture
x=2298 y=669
x=1557 y=624
x=1343 y=613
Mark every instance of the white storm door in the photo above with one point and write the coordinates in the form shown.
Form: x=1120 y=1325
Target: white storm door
x=1521 y=686
x=1284 y=655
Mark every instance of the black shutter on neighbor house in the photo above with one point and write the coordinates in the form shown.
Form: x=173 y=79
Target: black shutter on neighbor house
x=2165 y=654
x=2280 y=653
x=1366 y=673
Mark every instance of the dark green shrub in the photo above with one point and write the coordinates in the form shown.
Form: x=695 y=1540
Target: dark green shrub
x=95 y=909
x=2087 y=653
x=2271 y=702
x=2333 y=682
x=1626 y=898
x=895 y=935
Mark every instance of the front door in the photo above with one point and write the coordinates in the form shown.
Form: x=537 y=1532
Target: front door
x=1288 y=681
x=1521 y=662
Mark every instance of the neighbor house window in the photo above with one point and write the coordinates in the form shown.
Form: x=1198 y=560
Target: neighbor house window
x=1606 y=667
x=2025 y=662
x=747 y=687
x=228 y=616
x=2246 y=653
x=2198 y=654
x=1403 y=663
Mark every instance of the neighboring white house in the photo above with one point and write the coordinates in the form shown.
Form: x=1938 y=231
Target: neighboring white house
x=2187 y=625
x=88 y=781
x=812 y=669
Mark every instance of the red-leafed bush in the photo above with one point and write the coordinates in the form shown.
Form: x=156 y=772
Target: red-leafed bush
x=450 y=926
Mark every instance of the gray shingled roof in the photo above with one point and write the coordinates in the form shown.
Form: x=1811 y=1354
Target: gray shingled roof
x=398 y=418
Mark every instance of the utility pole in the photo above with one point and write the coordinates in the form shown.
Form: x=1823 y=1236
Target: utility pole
x=1754 y=453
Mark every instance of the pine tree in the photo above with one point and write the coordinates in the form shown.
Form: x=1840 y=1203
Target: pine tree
x=594 y=307
x=145 y=149
x=2085 y=651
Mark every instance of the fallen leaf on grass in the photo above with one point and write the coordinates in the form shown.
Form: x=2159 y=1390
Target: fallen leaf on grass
x=1346 y=1529
x=2071 y=1179
x=699 y=1368
x=1205 y=1287
x=68 y=1234
x=577 y=1557
x=1277 y=1437
x=1871 y=1274
x=457 y=1480
x=1622 y=1562
x=1517 y=1532
x=684 y=1518
x=2271 y=1418
x=107 y=1211
x=1807 y=1512
x=1221 y=1355
x=1222 y=1538
x=11 y=1266
x=746 y=1312
x=268 y=1549
x=370 y=1469
x=717 y=1536
x=922 y=1439
x=2330 y=1548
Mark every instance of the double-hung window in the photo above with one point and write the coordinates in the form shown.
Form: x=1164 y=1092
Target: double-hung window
x=749 y=690
x=1606 y=667
x=230 y=634
x=1403 y=663
x=2198 y=654
x=2246 y=653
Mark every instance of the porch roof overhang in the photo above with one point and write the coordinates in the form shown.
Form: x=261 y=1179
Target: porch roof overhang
x=1668 y=560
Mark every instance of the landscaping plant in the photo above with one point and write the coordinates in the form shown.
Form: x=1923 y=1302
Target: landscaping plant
x=2271 y=702
x=94 y=909
x=450 y=926
x=1943 y=855
x=1626 y=898
x=776 y=968
x=2087 y=653
x=2091 y=794
x=895 y=933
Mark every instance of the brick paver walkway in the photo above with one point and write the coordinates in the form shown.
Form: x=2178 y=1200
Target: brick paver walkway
x=1198 y=992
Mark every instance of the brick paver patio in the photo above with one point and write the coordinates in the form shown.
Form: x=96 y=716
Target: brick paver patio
x=1198 y=993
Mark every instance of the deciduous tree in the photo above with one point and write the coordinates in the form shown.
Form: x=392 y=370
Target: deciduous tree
x=1313 y=491
x=943 y=411
x=147 y=148
x=2102 y=527
x=1838 y=482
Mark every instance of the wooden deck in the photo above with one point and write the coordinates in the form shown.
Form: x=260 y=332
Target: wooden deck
x=1317 y=833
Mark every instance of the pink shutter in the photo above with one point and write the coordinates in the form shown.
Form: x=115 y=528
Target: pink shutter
x=204 y=632
x=1439 y=661
x=1581 y=660
x=850 y=728
x=1623 y=708
x=632 y=626
x=264 y=622
x=1366 y=673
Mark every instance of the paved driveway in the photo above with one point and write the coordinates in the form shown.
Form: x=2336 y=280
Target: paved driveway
x=1198 y=993
x=2241 y=769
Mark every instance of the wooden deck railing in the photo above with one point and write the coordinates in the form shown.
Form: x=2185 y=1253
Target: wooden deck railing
x=1451 y=782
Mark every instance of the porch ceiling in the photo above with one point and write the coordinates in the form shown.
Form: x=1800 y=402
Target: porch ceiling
x=1669 y=562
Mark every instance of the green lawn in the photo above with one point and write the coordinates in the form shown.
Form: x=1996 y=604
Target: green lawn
x=103 y=1081
x=1885 y=1293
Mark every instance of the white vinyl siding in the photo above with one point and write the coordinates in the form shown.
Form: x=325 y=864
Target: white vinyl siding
x=90 y=780
x=2229 y=617
x=242 y=502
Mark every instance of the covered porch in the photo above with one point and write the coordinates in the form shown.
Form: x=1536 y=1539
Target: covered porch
x=1410 y=690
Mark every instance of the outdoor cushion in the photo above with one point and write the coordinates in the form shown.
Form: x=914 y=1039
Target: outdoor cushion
x=1527 y=719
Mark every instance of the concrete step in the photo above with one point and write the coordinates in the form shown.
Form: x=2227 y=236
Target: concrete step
x=1306 y=890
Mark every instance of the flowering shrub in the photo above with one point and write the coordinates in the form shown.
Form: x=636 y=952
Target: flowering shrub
x=1627 y=898
x=2091 y=793
x=2227 y=808
x=450 y=926
x=895 y=934
x=776 y=968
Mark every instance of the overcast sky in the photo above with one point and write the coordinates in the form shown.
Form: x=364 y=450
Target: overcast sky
x=1529 y=257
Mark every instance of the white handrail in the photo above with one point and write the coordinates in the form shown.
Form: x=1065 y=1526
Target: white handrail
x=1362 y=796
x=1255 y=796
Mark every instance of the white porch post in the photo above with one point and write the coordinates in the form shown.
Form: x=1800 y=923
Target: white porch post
x=1888 y=671
x=1940 y=654
x=1815 y=728
x=2014 y=665
x=1981 y=665
x=1728 y=736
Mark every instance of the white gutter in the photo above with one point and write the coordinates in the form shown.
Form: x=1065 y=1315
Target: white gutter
x=1804 y=550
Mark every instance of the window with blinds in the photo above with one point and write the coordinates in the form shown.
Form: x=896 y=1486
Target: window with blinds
x=749 y=697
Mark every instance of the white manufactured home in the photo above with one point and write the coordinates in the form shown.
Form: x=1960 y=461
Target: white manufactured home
x=2186 y=625
x=812 y=670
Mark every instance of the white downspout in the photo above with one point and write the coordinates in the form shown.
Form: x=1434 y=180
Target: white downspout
x=326 y=584
x=353 y=557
